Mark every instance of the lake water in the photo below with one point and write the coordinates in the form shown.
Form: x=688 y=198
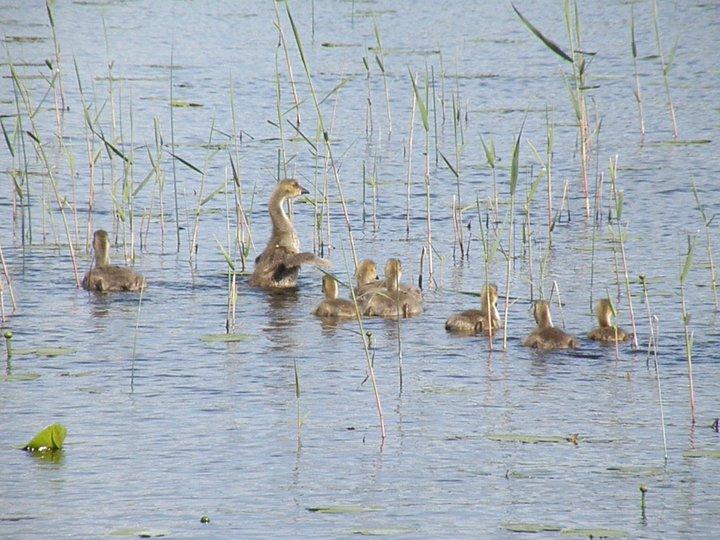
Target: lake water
x=164 y=428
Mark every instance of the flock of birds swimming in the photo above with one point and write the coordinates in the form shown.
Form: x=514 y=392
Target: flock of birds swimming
x=278 y=266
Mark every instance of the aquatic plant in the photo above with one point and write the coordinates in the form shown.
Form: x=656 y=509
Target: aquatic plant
x=579 y=89
x=50 y=438
x=689 y=335
x=665 y=67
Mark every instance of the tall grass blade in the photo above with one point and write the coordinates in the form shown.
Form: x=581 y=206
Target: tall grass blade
x=550 y=44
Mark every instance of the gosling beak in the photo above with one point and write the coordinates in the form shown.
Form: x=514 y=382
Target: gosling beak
x=303 y=191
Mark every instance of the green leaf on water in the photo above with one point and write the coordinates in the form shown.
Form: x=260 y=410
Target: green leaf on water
x=527 y=439
x=185 y=104
x=50 y=438
x=595 y=533
x=550 y=44
x=633 y=470
x=342 y=509
x=21 y=377
x=531 y=527
x=225 y=338
x=140 y=533
x=713 y=454
x=44 y=351
x=687 y=142
x=384 y=531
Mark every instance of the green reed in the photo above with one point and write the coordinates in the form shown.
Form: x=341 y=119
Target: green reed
x=653 y=348
x=380 y=59
x=619 y=199
x=9 y=285
x=422 y=106
x=707 y=222
x=172 y=146
x=409 y=151
x=40 y=151
x=665 y=67
x=338 y=183
x=514 y=174
x=637 y=92
x=576 y=83
x=689 y=335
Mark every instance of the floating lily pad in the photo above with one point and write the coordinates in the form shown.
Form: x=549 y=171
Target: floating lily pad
x=16 y=377
x=714 y=454
x=531 y=527
x=595 y=533
x=44 y=351
x=140 y=533
x=50 y=438
x=528 y=439
x=225 y=338
x=342 y=509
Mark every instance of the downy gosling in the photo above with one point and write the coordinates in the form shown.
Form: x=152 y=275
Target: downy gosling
x=103 y=277
x=546 y=337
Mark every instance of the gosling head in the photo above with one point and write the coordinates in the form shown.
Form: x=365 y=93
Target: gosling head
x=290 y=188
x=393 y=271
x=101 y=245
x=605 y=312
x=489 y=295
x=541 y=312
x=366 y=272
x=330 y=287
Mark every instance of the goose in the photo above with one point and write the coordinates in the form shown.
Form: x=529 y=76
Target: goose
x=277 y=267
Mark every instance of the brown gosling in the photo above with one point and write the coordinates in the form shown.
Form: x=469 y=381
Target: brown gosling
x=278 y=266
x=546 y=336
x=393 y=301
x=332 y=306
x=606 y=331
x=485 y=320
x=103 y=277
x=367 y=277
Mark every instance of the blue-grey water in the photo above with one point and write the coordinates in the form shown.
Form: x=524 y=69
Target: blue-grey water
x=164 y=428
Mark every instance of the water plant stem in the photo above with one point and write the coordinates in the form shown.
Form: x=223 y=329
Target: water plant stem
x=686 y=323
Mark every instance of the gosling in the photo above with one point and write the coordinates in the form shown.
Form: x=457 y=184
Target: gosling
x=485 y=320
x=367 y=277
x=607 y=331
x=333 y=307
x=546 y=337
x=103 y=277
x=393 y=301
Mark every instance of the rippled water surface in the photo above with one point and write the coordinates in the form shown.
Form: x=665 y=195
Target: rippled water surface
x=164 y=427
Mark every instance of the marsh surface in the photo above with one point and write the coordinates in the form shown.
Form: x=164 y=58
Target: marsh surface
x=191 y=428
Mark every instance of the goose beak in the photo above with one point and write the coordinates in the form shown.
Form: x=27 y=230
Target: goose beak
x=303 y=191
